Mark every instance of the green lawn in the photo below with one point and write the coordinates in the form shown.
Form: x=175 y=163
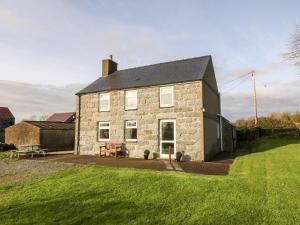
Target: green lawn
x=262 y=188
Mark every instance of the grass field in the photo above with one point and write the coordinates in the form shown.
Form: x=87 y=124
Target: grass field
x=262 y=188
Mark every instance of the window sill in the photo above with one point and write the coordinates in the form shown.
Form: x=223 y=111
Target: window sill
x=167 y=106
x=131 y=141
x=103 y=140
x=133 y=109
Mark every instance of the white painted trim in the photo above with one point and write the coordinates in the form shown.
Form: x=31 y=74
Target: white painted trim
x=161 y=141
x=160 y=91
x=131 y=140
x=102 y=139
x=129 y=108
x=104 y=109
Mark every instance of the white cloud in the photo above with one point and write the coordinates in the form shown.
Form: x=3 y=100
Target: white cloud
x=25 y=99
x=9 y=18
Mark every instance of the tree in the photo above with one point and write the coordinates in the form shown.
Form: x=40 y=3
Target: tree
x=43 y=117
x=294 y=48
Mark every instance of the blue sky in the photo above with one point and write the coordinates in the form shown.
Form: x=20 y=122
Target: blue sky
x=60 y=42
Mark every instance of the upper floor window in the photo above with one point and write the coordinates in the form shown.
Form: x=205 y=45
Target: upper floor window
x=130 y=130
x=131 y=99
x=104 y=131
x=104 y=103
x=166 y=97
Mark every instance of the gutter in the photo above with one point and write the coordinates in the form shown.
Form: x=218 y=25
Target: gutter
x=78 y=126
x=220 y=124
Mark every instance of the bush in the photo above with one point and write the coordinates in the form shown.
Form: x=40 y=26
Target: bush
x=6 y=147
x=146 y=154
x=250 y=134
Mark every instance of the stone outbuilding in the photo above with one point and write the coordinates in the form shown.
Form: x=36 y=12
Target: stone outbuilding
x=172 y=106
x=50 y=135
x=229 y=139
x=6 y=119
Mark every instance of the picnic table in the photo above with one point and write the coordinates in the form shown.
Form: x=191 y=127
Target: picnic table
x=28 y=150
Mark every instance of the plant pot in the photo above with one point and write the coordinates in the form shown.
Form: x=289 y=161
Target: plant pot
x=178 y=156
x=155 y=155
x=146 y=157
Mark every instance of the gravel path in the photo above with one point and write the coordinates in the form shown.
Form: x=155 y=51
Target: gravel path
x=24 y=170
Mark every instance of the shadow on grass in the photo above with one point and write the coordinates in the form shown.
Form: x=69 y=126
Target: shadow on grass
x=86 y=208
x=259 y=145
x=266 y=144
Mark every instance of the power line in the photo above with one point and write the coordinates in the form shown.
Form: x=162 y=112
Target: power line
x=236 y=85
x=235 y=79
x=252 y=74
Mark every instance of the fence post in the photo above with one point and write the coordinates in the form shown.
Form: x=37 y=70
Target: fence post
x=170 y=153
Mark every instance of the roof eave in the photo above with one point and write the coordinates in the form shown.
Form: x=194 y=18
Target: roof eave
x=142 y=86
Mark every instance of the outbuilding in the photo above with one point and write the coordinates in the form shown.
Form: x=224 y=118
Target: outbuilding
x=6 y=119
x=50 y=135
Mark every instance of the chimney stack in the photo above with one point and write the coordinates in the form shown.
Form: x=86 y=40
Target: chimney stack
x=108 y=66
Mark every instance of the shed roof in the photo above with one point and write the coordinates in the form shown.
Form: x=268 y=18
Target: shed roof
x=62 y=117
x=5 y=113
x=157 y=74
x=49 y=125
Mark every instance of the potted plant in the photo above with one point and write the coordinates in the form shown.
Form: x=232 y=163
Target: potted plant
x=178 y=156
x=155 y=155
x=146 y=154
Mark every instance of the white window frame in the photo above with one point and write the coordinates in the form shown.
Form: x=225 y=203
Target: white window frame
x=106 y=95
x=160 y=96
x=104 y=128
x=130 y=121
x=126 y=94
x=161 y=141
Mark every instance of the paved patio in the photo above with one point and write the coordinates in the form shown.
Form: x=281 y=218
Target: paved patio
x=219 y=166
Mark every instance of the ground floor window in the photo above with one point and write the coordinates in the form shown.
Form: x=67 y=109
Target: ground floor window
x=131 y=130
x=104 y=131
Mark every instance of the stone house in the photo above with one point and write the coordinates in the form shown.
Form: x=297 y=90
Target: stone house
x=174 y=104
x=6 y=119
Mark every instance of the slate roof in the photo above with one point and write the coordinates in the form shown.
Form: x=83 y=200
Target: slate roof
x=157 y=74
x=48 y=125
x=5 y=113
x=62 y=117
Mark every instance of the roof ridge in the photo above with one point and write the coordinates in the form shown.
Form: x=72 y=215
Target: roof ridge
x=155 y=64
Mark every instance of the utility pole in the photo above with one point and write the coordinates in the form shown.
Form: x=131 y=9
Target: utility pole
x=254 y=97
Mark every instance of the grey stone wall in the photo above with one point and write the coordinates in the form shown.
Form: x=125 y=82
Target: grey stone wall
x=211 y=121
x=187 y=111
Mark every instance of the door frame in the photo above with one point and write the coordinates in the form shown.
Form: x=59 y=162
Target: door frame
x=161 y=141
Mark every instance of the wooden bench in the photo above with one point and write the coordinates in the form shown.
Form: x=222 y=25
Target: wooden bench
x=111 y=147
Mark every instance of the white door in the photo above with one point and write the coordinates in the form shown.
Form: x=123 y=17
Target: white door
x=167 y=138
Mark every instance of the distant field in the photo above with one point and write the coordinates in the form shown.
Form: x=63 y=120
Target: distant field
x=262 y=188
